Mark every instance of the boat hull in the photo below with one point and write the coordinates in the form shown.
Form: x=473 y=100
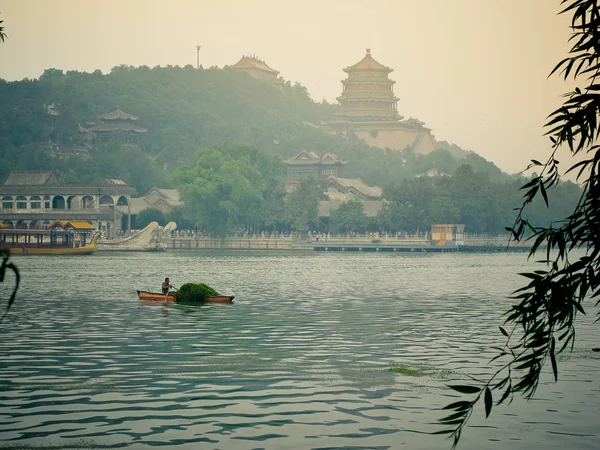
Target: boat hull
x=154 y=296
x=27 y=249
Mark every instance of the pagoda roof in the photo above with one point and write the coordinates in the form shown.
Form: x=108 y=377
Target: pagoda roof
x=332 y=158
x=117 y=114
x=305 y=157
x=118 y=126
x=354 y=185
x=413 y=121
x=368 y=63
x=252 y=62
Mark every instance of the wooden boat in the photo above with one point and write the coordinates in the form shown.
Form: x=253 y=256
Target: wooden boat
x=156 y=296
x=49 y=241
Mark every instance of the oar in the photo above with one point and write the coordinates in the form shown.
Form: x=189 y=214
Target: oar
x=167 y=294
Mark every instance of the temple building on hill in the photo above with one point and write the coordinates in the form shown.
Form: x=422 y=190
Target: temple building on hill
x=369 y=110
x=257 y=69
x=310 y=165
x=116 y=124
x=328 y=170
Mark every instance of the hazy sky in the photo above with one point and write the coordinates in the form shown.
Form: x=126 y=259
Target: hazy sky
x=475 y=71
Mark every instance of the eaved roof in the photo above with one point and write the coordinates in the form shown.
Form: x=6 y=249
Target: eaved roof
x=136 y=205
x=75 y=224
x=80 y=225
x=252 y=62
x=118 y=181
x=304 y=157
x=332 y=158
x=117 y=126
x=368 y=63
x=117 y=114
x=171 y=195
x=31 y=178
x=354 y=185
x=433 y=172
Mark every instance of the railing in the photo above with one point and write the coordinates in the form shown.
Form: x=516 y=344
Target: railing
x=183 y=240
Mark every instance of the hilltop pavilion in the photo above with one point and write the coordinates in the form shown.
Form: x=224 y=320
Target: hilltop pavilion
x=256 y=68
x=116 y=123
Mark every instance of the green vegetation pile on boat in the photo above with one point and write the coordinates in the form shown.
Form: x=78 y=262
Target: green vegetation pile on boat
x=188 y=293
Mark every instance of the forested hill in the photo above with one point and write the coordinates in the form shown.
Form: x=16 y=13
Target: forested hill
x=181 y=107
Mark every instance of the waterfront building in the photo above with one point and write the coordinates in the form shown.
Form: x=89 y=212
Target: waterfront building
x=116 y=124
x=162 y=199
x=257 y=69
x=443 y=234
x=329 y=171
x=34 y=199
x=370 y=110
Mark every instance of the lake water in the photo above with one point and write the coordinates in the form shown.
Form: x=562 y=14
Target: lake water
x=301 y=361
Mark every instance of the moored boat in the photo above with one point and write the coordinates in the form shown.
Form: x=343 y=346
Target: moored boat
x=156 y=296
x=60 y=238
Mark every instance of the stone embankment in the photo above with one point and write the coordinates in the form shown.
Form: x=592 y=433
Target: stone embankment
x=409 y=243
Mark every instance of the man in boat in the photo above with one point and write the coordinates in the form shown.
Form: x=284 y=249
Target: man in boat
x=166 y=286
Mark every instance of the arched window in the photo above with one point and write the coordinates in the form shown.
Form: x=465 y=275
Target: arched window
x=122 y=201
x=35 y=202
x=21 y=202
x=106 y=200
x=87 y=202
x=58 y=202
x=72 y=202
x=7 y=202
x=47 y=201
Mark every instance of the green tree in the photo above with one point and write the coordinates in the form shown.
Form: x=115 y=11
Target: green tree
x=179 y=216
x=149 y=215
x=408 y=205
x=302 y=205
x=541 y=324
x=444 y=210
x=349 y=216
x=230 y=185
x=181 y=107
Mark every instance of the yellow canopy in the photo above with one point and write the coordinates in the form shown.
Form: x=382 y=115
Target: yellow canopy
x=80 y=225
x=75 y=224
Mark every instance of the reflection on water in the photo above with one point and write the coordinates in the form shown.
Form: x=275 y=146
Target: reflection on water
x=302 y=360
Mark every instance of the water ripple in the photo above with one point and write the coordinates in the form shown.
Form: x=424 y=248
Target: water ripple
x=320 y=351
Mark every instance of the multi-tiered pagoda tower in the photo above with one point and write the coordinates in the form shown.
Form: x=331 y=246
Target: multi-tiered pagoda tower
x=369 y=110
x=368 y=92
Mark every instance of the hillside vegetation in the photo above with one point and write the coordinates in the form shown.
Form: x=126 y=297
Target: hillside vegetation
x=220 y=137
x=181 y=107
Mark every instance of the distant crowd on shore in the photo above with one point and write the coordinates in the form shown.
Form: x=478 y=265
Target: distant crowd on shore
x=311 y=235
